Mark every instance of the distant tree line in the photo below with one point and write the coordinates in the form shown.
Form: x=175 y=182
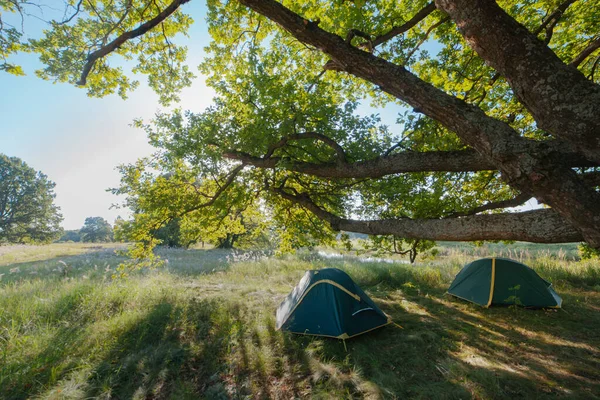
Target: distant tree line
x=94 y=230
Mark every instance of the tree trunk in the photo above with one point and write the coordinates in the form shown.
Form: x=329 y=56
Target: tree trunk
x=228 y=242
x=562 y=101
x=225 y=243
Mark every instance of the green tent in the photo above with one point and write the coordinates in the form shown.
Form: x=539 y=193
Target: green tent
x=327 y=302
x=499 y=281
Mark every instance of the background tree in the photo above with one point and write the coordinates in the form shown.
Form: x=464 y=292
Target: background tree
x=27 y=210
x=96 y=229
x=498 y=104
x=157 y=202
x=70 y=236
x=170 y=234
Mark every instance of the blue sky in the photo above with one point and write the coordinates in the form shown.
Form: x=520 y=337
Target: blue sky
x=78 y=141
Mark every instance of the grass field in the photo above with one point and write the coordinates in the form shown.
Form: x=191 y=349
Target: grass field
x=202 y=326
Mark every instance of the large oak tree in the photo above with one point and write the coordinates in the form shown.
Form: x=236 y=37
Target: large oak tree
x=27 y=210
x=96 y=229
x=500 y=103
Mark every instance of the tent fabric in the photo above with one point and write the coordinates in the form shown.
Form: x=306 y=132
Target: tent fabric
x=327 y=302
x=497 y=281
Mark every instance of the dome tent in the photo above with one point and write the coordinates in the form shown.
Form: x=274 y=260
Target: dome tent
x=327 y=302
x=497 y=281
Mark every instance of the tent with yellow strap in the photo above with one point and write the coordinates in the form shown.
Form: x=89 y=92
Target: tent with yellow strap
x=328 y=303
x=497 y=281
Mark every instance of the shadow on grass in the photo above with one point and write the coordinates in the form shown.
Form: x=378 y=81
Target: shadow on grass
x=219 y=348
x=22 y=377
x=452 y=349
x=497 y=352
x=173 y=349
x=142 y=359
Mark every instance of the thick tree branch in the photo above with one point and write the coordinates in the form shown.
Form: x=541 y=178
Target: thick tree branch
x=407 y=161
x=593 y=46
x=398 y=30
x=116 y=43
x=538 y=226
x=450 y=161
x=560 y=98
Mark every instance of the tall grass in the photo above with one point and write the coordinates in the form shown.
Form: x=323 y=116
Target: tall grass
x=202 y=326
x=518 y=251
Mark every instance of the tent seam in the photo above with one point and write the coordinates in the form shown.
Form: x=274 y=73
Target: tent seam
x=492 y=282
x=344 y=335
x=335 y=284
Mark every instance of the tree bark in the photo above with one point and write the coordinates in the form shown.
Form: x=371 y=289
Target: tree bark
x=562 y=101
x=450 y=161
x=538 y=226
x=543 y=226
x=407 y=161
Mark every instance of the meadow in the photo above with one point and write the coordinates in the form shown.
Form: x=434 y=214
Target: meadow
x=203 y=326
